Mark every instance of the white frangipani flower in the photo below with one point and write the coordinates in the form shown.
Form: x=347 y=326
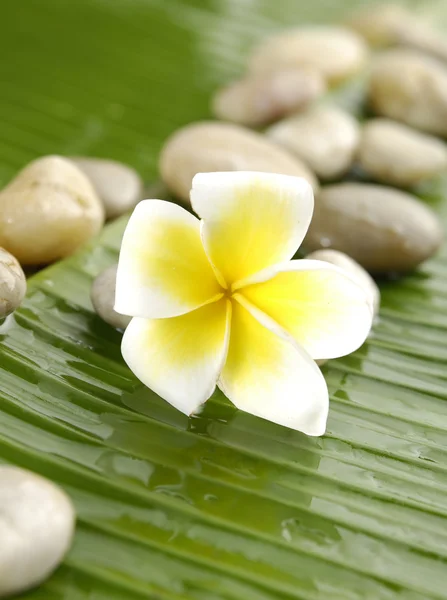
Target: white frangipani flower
x=218 y=301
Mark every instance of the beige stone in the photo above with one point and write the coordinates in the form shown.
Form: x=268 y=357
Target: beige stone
x=395 y=25
x=209 y=146
x=381 y=24
x=262 y=98
x=408 y=86
x=335 y=52
x=397 y=154
x=323 y=137
x=48 y=211
x=12 y=283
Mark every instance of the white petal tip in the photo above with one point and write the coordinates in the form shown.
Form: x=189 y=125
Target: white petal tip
x=317 y=430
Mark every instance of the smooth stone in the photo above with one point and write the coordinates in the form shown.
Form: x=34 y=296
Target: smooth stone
x=48 y=211
x=356 y=272
x=118 y=185
x=394 y=153
x=383 y=229
x=323 y=137
x=422 y=37
x=335 y=52
x=394 y=25
x=12 y=283
x=208 y=146
x=262 y=98
x=102 y=295
x=408 y=86
x=381 y=24
x=37 y=522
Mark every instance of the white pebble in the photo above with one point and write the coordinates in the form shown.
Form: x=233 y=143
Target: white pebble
x=36 y=527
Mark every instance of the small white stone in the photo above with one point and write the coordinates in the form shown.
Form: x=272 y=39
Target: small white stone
x=394 y=153
x=411 y=87
x=262 y=98
x=356 y=272
x=335 y=52
x=207 y=146
x=103 y=299
x=324 y=137
x=12 y=283
x=118 y=185
x=36 y=527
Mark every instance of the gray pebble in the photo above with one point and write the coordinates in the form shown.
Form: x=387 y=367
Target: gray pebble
x=36 y=528
x=118 y=185
x=381 y=228
x=12 y=283
x=102 y=296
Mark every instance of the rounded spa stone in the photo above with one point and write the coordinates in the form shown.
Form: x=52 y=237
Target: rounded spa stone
x=323 y=137
x=118 y=185
x=12 y=283
x=394 y=153
x=334 y=52
x=48 y=211
x=383 y=229
x=356 y=271
x=410 y=87
x=209 y=146
x=395 y=25
x=260 y=99
x=102 y=295
x=381 y=24
x=36 y=528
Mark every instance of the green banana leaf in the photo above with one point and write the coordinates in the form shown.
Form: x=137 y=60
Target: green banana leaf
x=221 y=506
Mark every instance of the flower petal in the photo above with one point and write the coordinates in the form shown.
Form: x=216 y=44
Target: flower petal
x=180 y=358
x=251 y=220
x=325 y=311
x=163 y=270
x=271 y=377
